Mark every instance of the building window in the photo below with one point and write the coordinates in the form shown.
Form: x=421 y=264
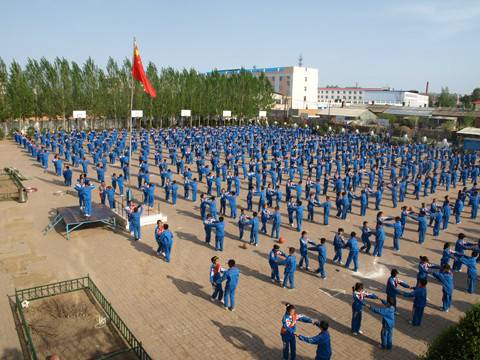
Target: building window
x=349 y=97
x=280 y=79
x=355 y=97
x=338 y=92
x=344 y=92
x=304 y=98
x=349 y=92
x=305 y=88
x=360 y=97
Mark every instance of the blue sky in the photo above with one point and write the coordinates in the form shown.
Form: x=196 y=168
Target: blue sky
x=401 y=44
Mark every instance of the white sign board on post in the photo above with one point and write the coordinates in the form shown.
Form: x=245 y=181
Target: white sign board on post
x=137 y=113
x=186 y=113
x=227 y=113
x=262 y=114
x=79 y=114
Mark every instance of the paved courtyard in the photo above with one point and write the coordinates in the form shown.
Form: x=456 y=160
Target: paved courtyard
x=168 y=307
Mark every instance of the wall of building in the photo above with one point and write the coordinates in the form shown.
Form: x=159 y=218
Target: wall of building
x=304 y=88
x=371 y=95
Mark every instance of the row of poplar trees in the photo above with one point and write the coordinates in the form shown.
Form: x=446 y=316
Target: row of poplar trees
x=52 y=90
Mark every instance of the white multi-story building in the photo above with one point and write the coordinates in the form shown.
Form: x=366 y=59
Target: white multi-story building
x=299 y=84
x=380 y=96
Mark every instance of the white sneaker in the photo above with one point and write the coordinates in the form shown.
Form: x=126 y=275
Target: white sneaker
x=355 y=334
x=360 y=331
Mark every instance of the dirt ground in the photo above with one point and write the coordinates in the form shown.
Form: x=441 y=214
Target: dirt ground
x=68 y=325
x=7 y=186
x=168 y=307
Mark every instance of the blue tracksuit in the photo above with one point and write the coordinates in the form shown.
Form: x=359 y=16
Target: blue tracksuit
x=419 y=295
x=304 y=252
x=357 y=308
x=388 y=324
x=392 y=291
x=322 y=257
x=287 y=332
x=322 y=340
x=290 y=267
x=273 y=262
x=166 y=240
x=446 y=279
x=352 y=244
x=231 y=276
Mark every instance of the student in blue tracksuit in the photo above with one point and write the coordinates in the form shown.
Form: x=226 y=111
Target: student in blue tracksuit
x=242 y=220
x=445 y=277
x=121 y=182
x=290 y=263
x=471 y=263
x=273 y=262
x=359 y=295
x=231 y=276
x=352 y=244
x=277 y=219
x=87 y=198
x=67 y=176
x=366 y=233
x=287 y=332
x=322 y=340
x=424 y=267
x=447 y=254
x=304 y=251
x=166 y=239
x=392 y=286
x=158 y=232
x=419 y=295
x=422 y=225
x=135 y=222
x=254 y=227
x=388 y=322
x=397 y=232
x=338 y=245
x=299 y=215
x=379 y=238
x=219 y=233
x=460 y=246
x=321 y=249
x=216 y=279
x=326 y=205
x=110 y=193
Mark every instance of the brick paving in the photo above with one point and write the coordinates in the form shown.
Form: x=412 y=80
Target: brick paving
x=167 y=306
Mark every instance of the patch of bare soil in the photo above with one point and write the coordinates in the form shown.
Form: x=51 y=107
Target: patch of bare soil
x=72 y=326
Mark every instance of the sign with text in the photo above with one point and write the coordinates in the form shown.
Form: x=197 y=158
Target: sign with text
x=186 y=113
x=137 y=113
x=227 y=113
x=79 y=114
x=262 y=114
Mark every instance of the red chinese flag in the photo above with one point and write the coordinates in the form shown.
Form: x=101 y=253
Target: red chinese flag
x=139 y=74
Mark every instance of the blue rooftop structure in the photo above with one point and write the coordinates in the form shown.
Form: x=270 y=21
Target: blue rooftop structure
x=253 y=70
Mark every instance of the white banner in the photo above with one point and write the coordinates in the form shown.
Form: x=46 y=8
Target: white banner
x=137 y=113
x=79 y=114
x=186 y=113
x=227 y=113
x=262 y=114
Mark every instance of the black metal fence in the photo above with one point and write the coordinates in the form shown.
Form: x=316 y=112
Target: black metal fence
x=62 y=287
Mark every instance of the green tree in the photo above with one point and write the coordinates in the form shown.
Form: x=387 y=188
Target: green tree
x=446 y=99
x=460 y=341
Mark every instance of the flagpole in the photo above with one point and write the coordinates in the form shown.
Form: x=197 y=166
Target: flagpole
x=130 y=121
